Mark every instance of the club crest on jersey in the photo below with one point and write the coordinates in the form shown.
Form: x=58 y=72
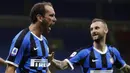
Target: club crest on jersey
x=73 y=54
x=14 y=51
x=112 y=60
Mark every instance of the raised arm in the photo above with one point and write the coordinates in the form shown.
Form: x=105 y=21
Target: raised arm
x=57 y=63
x=60 y=64
x=74 y=58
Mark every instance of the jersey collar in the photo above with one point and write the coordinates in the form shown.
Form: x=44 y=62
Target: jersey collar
x=101 y=52
x=41 y=37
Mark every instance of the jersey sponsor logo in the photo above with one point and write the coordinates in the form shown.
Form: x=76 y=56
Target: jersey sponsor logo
x=35 y=48
x=73 y=54
x=95 y=60
x=39 y=63
x=14 y=51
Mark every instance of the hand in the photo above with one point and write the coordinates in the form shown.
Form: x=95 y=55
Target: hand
x=51 y=57
x=126 y=69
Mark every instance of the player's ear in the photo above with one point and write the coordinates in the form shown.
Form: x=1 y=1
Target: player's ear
x=39 y=17
x=106 y=30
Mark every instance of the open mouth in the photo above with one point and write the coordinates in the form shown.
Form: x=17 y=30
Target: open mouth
x=49 y=28
x=94 y=34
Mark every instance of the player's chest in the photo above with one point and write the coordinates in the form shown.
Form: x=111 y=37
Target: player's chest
x=99 y=60
x=38 y=48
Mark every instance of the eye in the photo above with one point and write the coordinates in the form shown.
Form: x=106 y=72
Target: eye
x=96 y=28
x=52 y=15
x=91 y=29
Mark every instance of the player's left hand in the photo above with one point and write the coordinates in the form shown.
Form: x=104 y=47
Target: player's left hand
x=126 y=69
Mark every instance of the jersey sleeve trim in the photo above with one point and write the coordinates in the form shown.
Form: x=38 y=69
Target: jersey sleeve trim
x=9 y=62
x=123 y=66
x=70 y=64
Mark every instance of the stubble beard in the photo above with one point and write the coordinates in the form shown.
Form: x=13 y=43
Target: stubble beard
x=97 y=38
x=44 y=27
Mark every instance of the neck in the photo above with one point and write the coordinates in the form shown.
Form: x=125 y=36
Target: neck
x=100 y=44
x=36 y=29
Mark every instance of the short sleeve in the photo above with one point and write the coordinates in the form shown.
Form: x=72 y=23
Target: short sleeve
x=76 y=57
x=119 y=62
x=17 y=48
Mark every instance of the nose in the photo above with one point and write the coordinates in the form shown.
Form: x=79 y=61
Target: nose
x=55 y=19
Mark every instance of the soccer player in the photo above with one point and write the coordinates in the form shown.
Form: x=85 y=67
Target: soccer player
x=29 y=49
x=99 y=58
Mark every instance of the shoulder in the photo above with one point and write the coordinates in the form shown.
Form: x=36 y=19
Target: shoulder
x=83 y=50
x=113 y=49
x=22 y=35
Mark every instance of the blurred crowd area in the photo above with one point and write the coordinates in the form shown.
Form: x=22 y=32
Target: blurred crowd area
x=71 y=31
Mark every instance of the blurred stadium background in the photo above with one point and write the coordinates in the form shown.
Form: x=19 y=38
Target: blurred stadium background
x=72 y=28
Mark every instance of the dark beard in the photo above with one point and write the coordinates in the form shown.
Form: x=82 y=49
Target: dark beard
x=44 y=27
x=98 y=39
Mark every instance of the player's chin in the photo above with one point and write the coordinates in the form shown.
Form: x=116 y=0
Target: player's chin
x=95 y=38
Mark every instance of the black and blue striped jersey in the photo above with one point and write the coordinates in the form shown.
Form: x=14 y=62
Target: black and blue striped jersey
x=29 y=53
x=92 y=60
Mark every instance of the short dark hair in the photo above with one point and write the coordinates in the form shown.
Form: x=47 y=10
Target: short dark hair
x=38 y=8
x=100 y=20
x=97 y=19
